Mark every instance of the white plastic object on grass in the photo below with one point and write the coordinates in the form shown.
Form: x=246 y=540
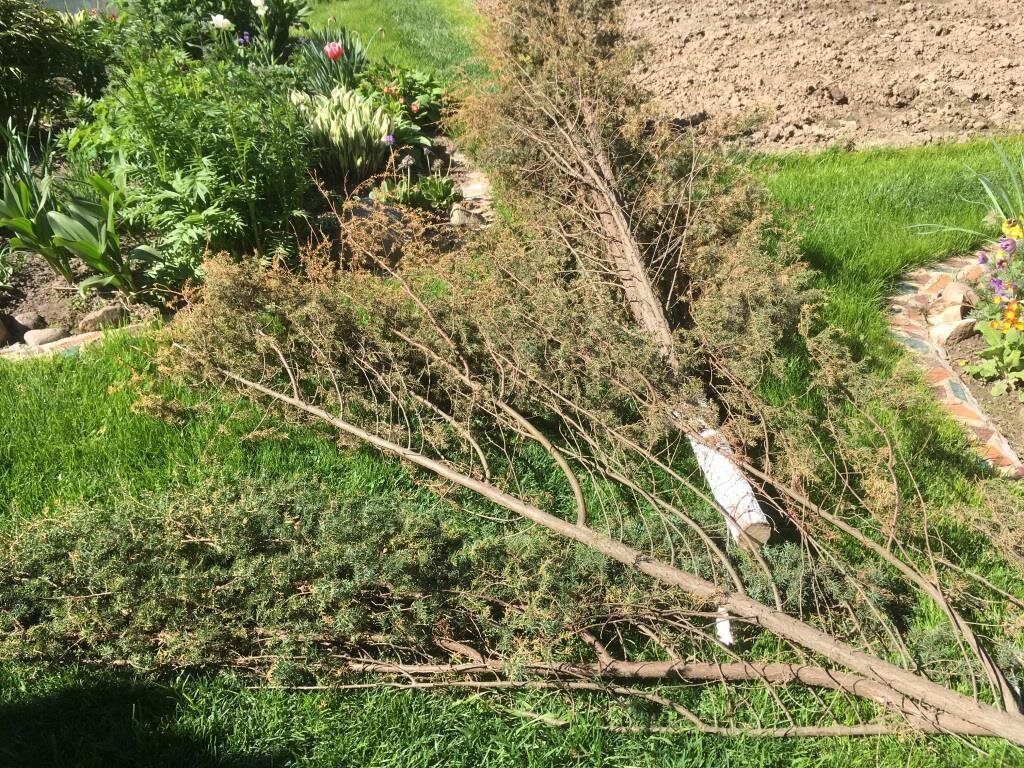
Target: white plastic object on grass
x=729 y=487
x=723 y=627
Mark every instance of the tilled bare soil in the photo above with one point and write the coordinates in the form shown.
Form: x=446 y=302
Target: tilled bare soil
x=823 y=72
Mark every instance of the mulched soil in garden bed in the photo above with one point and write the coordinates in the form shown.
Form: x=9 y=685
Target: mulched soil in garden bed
x=1006 y=412
x=37 y=289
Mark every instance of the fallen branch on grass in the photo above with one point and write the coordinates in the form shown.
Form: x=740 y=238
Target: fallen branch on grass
x=934 y=706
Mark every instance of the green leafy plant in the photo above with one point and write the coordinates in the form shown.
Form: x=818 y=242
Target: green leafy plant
x=356 y=133
x=1001 y=361
x=433 y=192
x=212 y=145
x=44 y=55
x=319 y=73
x=92 y=41
x=276 y=23
x=57 y=230
x=8 y=266
x=184 y=212
x=24 y=211
x=27 y=197
x=89 y=230
x=1007 y=200
x=414 y=95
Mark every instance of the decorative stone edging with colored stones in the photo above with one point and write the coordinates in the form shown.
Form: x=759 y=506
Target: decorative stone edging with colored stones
x=930 y=310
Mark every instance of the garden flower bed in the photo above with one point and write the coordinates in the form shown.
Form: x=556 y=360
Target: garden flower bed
x=931 y=316
x=192 y=129
x=963 y=318
x=1005 y=414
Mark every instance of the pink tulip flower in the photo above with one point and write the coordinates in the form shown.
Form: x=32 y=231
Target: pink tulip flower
x=333 y=51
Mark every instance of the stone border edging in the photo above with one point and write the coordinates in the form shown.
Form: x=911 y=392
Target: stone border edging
x=928 y=311
x=66 y=345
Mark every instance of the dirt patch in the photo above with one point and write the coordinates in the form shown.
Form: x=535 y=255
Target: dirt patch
x=1007 y=412
x=819 y=73
x=37 y=290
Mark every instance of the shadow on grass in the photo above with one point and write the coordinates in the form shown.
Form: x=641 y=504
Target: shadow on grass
x=109 y=724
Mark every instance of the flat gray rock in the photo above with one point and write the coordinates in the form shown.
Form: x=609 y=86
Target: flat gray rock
x=40 y=336
x=104 y=317
x=29 y=321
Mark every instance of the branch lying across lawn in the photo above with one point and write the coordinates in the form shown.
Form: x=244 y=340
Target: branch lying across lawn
x=933 y=705
x=677 y=671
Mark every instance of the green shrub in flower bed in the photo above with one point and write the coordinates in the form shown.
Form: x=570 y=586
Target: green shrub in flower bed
x=211 y=154
x=187 y=24
x=45 y=56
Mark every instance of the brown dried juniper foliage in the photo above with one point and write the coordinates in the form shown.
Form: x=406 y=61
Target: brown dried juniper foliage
x=725 y=272
x=515 y=360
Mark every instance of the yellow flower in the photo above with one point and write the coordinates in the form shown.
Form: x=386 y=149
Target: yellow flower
x=997 y=299
x=1012 y=228
x=993 y=324
x=1005 y=325
x=1018 y=326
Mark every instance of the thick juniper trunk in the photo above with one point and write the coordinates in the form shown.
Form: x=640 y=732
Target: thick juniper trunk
x=745 y=519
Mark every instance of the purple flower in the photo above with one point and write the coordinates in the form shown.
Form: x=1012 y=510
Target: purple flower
x=245 y=39
x=997 y=285
x=390 y=139
x=982 y=257
x=1008 y=244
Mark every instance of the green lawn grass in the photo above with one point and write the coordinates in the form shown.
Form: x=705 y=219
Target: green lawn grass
x=96 y=719
x=856 y=212
x=77 y=429
x=81 y=429
x=432 y=35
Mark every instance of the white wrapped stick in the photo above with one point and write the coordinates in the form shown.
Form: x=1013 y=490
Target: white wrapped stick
x=723 y=627
x=729 y=487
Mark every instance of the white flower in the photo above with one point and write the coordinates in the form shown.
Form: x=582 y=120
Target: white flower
x=220 y=21
x=261 y=7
